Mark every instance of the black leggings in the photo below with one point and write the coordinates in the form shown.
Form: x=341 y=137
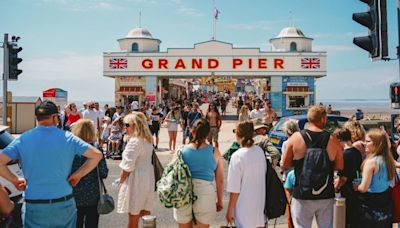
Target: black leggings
x=87 y=217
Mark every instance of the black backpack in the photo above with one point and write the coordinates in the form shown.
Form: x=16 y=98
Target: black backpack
x=314 y=180
x=275 y=197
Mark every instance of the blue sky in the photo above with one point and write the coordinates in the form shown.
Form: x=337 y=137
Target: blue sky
x=63 y=40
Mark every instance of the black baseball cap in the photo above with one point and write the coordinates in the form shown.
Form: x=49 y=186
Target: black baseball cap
x=46 y=108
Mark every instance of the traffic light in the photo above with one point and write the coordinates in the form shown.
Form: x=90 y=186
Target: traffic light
x=395 y=95
x=14 y=61
x=375 y=19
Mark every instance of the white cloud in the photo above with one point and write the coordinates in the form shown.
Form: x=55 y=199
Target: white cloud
x=80 y=75
x=366 y=83
x=83 y=6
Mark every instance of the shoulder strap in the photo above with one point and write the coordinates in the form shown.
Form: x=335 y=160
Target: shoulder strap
x=306 y=137
x=319 y=142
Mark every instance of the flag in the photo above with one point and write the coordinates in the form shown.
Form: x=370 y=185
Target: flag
x=118 y=63
x=310 y=63
x=216 y=13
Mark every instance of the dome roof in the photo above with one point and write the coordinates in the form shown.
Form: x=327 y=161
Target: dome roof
x=139 y=33
x=291 y=32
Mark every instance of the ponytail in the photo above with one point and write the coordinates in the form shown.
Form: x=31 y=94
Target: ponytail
x=246 y=142
x=200 y=130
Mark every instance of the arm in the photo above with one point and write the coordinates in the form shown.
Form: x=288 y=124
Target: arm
x=335 y=148
x=219 y=122
x=8 y=175
x=287 y=158
x=367 y=173
x=233 y=198
x=6 y=205
x=93 y=156
x=219 y=178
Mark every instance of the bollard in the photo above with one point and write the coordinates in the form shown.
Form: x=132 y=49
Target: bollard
x=149 y=221
x=339 y=213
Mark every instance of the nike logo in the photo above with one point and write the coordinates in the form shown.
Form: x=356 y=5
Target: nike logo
x=317 y=192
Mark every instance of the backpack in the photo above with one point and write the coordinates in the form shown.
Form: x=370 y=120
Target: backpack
x=317 y=169
x=275 y=197
x=175 y=188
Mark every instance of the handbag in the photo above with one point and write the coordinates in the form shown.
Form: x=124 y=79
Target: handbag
x=158 y=168
x=229 y=225
x=106 y=202
x=396 y=199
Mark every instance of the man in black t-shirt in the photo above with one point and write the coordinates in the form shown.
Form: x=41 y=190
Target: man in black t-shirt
x=156 y=118
x=352 y=163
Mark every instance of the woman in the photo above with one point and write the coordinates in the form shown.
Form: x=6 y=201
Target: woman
x=378 y=171
x=244 y=114
x=86 y=192
x=357 y=135
x=136 y=195
x=73 y=114
x=206 y=166
x=246 y=181
x=173 y=120
x=352 y=163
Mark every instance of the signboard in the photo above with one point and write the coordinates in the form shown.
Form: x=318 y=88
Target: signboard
x=217 y=57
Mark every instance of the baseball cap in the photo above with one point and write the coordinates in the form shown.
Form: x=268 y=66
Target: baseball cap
x=46 y=108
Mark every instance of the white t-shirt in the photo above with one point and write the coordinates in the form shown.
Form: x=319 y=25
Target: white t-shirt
x=246 y=175
x=135 y=105
x=254 y=114
x=91 y=115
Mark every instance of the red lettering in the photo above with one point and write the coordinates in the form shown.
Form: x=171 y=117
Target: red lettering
x=163 y=63
x=197 y=63
x=147 y=64
x=262 y=63
x=213 y=63
x=237 y=62
x=250 y=63
x=278 y=63
x=180 y=64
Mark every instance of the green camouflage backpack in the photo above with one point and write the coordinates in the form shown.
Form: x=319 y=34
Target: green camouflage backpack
x=175 y=188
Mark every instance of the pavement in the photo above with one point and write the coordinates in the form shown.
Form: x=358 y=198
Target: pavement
x=164 y=215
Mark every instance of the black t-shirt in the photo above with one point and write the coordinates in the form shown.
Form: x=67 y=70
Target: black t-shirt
x=155 y=118
x=184 y=116
x=352 y=163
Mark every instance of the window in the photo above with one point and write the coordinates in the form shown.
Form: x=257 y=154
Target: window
x=298 y=102
x=135 y=47
x=293 y=46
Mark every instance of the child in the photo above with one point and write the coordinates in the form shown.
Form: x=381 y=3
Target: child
x=289 y=184
x=114 y=139
x=106 y=130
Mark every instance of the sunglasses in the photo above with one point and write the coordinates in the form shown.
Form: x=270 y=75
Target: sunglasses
x=127 y=125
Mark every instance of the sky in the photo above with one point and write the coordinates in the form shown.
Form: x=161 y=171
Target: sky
x=63 y=40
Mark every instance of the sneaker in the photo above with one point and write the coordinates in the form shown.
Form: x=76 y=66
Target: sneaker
x=156 y=147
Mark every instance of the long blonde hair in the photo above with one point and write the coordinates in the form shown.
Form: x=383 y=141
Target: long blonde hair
x=139 y=122
x=84 y=129
x=381 y=148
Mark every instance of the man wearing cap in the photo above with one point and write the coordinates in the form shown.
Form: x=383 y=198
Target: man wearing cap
x=46 y=154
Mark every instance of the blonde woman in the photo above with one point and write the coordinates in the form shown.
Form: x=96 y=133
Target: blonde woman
x=246 y=180
x=357 y=135
x=86 y=192
x=378 y=172
x=136 y=194
x=244 y=114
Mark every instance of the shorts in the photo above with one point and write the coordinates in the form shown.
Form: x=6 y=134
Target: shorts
x=204 y=208
x=155 y=129
x=173 y=127
x=186 y=132
x=213 y=136
x=303 y=212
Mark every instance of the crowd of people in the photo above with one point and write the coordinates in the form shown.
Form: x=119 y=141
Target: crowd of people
x=315 y=165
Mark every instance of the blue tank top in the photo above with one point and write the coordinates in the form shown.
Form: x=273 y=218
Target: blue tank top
x=380 y=181
x=201 y=162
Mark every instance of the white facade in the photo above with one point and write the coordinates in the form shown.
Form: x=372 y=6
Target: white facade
x=291 y=39
x=139 y=40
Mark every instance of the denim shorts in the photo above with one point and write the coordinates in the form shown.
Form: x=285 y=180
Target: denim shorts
x=61 y=214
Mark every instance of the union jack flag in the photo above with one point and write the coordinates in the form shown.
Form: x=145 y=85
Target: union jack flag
x=118 y=63
x=310 y=63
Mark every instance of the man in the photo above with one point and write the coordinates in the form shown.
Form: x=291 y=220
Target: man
x=135 y=105
x=311 y=200
x=46 y=154
x=269 y=115
x=194 y=115
x=257 y=113
x=215 y=120
x=106 y=110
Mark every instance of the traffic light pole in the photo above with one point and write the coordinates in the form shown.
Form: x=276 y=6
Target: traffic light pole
x=5 y=77
x=398 y=27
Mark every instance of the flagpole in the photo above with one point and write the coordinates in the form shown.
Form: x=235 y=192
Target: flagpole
x=214 y=37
